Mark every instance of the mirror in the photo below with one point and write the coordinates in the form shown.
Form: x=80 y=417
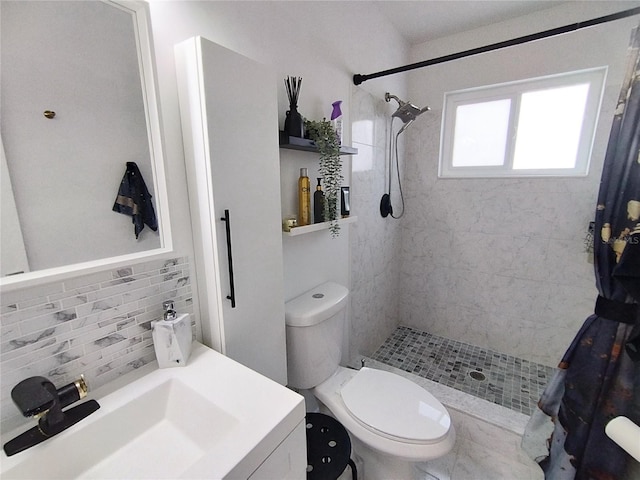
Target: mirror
x=78 y=103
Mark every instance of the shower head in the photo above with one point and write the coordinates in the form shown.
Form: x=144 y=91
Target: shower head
x=407 y=112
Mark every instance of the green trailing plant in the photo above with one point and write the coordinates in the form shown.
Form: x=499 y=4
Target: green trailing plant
x=326 y=139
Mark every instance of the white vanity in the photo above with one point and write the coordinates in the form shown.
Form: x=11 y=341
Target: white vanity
x=214 y=419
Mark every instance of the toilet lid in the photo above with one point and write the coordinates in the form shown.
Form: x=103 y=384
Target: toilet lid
x=395 y=406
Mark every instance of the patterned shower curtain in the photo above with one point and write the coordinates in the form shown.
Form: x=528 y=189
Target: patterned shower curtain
x=599 y=375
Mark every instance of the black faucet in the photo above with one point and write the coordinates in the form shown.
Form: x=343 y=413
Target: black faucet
x=37 y=396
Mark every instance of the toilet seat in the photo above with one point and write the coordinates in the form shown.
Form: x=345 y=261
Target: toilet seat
x=396 y=407
x=329 y=394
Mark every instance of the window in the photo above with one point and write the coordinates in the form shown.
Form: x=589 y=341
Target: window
x=538 y=127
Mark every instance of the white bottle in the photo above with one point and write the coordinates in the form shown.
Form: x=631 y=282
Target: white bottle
x=336 y=119
x=172 y=338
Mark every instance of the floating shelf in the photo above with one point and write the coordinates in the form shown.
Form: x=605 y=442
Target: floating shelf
x=316 y=227
x=306 y=145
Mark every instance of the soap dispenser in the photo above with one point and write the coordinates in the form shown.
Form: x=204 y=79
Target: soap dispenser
x=172 y=337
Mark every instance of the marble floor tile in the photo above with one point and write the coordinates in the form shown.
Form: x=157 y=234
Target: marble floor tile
x=476 y=461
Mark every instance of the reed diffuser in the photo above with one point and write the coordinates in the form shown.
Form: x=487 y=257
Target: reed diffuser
x=293 y=123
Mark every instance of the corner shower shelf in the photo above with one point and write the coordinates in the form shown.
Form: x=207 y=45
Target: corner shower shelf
x=306 y=145
x=316 y=227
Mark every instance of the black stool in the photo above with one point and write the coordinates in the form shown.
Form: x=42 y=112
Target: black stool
x=328 y=448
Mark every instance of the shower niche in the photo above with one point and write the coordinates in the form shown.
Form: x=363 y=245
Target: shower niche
x=307 y=145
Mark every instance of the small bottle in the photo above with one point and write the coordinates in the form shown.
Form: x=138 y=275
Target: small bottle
x=336 y=119
x=304 y=198
x=345 y=202
x=318 y=204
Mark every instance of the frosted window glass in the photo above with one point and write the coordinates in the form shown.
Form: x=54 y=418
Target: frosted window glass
x=539 y=127
x=549 y=127
x=480 y=136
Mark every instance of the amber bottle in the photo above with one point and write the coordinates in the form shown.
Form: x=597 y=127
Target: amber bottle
x=304 y=198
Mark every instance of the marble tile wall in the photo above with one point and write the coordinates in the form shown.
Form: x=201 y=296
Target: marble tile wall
x=375 y=241
x=97 y=325
x=498 y=263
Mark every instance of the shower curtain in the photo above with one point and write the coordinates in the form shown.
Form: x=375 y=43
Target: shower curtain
x=599 y=375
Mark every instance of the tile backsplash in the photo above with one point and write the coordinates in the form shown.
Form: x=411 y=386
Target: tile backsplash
x=97 y=325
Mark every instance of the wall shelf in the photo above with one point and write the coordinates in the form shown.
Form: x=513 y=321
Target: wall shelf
x=306 y=145
x=316 y=227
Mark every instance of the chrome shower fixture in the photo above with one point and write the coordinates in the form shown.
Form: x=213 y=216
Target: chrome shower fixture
x=407 y=112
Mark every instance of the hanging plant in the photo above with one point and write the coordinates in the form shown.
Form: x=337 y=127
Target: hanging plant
x=326 y=139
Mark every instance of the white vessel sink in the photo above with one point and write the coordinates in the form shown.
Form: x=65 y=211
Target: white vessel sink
x=213 y=418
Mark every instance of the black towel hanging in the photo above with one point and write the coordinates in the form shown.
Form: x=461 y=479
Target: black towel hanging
x=135 y=200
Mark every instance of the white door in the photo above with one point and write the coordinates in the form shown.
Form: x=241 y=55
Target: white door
x=228 y=107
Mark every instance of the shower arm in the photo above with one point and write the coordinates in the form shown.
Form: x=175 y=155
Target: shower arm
x=388 y=97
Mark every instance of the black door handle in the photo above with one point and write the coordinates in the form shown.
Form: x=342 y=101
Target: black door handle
x=232 y=295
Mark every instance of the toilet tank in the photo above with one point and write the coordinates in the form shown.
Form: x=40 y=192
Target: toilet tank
x=314 y=325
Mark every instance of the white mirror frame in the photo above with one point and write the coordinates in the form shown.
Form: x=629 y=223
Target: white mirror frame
x=139 y=10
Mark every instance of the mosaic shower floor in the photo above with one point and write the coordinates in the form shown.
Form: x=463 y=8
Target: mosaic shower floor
x=496 y=377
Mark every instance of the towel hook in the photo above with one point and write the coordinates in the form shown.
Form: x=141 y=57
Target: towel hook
x=49 y=114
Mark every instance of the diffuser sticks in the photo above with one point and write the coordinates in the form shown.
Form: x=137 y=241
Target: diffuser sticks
x=293 y=85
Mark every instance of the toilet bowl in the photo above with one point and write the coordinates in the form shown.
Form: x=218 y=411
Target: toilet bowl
x=393 y=422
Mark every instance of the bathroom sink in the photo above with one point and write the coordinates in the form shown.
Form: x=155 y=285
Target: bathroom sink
x=213 y=418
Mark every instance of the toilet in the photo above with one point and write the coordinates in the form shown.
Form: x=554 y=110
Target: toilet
x=395 y=425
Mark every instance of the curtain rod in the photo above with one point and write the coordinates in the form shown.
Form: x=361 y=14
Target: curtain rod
x=359 y=78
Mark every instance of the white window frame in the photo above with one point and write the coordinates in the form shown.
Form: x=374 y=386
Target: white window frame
x=513 y=91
